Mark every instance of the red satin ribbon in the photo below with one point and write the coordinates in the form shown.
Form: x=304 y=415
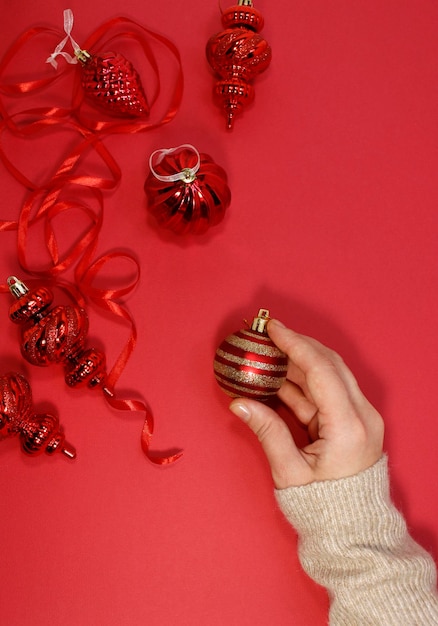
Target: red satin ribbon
x=47 y=201
x=107 y=300
x=25 y=129
x=51 y=198
x=29 y=86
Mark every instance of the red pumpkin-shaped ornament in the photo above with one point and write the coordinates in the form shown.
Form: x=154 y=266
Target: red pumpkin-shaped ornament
x=187 y=191
x=237 y=55
x=55 y=335
x=248 y=364
x=37 y=432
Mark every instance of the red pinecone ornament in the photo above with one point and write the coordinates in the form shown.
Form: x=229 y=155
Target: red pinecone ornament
x=187 y=191
x=55 y=335
x=237 y=55
x=37 y=432
x=248 y=364
x=111 y=83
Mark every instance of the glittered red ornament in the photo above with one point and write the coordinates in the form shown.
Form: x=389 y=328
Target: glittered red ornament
x=237 y=55
x=187 y=191
x=37 y=432
x=111 y=83
x=55 y=335
x=248 y=364
x=109 y=80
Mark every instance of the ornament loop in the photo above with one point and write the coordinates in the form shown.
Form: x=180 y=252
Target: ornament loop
x=187 y=175
x=59 y=50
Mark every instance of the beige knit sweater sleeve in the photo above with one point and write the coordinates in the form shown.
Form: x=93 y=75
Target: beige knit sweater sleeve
x=353 y=541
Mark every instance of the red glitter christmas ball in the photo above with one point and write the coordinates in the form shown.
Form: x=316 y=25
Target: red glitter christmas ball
x=248 y=364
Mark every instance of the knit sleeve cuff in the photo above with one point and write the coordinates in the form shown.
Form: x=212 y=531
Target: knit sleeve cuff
x=335 y=505
x=353 y=541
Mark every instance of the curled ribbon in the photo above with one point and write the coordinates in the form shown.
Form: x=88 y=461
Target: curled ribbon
x=107 y=299
x=47 y=201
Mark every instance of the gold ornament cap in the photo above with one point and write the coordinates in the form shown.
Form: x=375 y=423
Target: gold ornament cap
x=83 y=56
x=17 y=287
x=260 y=322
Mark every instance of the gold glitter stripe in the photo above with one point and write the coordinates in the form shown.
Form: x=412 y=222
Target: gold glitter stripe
x=239 y=389
x=249 y=378
x=258 y=364
x=251 y=346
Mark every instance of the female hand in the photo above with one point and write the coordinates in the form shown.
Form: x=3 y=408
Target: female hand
x=346 y=432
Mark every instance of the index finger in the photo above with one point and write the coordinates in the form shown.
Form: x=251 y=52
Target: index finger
x=330 y=383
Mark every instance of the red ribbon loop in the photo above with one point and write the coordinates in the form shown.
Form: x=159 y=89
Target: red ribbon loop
x=27 y=86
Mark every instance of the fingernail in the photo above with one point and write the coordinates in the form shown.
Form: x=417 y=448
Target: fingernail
x=241 y=411
x=277 y=323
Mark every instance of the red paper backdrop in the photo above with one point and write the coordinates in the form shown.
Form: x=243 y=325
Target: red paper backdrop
x=333 y=227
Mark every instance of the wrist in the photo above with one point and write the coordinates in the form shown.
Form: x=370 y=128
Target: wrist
x=332 y=506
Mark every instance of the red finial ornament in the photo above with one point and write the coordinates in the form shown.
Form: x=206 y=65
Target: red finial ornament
x=38 y=433
x=187 y=191
x=55 y=335
x=248 y=364
x=237 y=55
x=58 y=335
x=109 y=80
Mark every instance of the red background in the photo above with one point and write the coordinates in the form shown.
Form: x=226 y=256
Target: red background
x=333 y=227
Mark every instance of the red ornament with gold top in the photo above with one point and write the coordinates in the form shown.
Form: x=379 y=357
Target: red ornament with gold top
x=187 y=191
x=111 y=83
x=38 y=433
x=248 y=364
x=237 y=55
x=55 y=335
x=109 y=80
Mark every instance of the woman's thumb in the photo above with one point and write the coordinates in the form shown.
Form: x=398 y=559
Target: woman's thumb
x=273 y=434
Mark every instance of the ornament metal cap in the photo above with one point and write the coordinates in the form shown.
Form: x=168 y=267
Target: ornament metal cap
x=260 y=322
x=17 y=287
x=83 y=56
